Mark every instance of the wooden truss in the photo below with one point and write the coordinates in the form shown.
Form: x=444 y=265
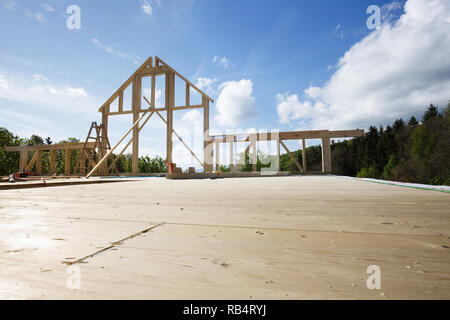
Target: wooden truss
x=251 y=139
x=158 y=69
x=154 y=68
x=38 y=150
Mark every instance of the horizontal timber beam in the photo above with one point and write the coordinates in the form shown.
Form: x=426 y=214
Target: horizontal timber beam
x=288 y=135
x=156 y=109
x=59 y=146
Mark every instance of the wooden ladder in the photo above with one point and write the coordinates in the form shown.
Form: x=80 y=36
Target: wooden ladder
x=87 y=155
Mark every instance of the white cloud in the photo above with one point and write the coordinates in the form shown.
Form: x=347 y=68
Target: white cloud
x=3 y=83
x=206 y=84
x=11 y=5
x=338 y=32
x=393 y=72
x=47 y=7
x=223 y=62
x=37 y=77
x=147 y=8
x=313 y=92
x=235 y=103
x=193 y=116
x=114 y=50
x=36 y=16
x=41 y=92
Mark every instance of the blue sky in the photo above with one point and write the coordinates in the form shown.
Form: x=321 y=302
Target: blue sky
x=289 y=65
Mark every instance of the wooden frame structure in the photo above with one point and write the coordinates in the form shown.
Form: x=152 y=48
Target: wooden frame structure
x=148 y=69
x=153 y=68
x=253 y=138
x=25 y=165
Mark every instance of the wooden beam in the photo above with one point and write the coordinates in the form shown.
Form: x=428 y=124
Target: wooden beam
x=255 y=156
x=176 y=134
x=159 y=60
x=32 y=161
x=292 y=135
x=46 y=147
x=143 y=66
x=67 y=163
x=304 y=154
x=136 y=107
x=131 y=140
x=188 y=95
x=326 y=155
x=207 y=144
x=115 y=146
x=278 y=155
x=120 y=102
x=39 y=162
x=291 y=156
x=217 y=157
x=197 y=106
x=52 y=161
x=231 y=156
x=170 y=94
x=153 y=92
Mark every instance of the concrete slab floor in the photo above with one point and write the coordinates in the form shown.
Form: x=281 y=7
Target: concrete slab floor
x=309 y=237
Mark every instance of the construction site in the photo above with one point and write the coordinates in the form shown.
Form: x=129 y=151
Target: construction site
x=92 y=233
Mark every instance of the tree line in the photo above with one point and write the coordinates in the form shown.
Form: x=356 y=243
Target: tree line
x=413 y=151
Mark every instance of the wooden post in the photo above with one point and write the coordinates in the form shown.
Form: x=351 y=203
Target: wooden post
x=207 y=145
x=52 y=161
x=231 y=156
x=22 y=161
x=67 y=163
x=188 y=95
x=170 y=97
x=153 y=91
x=255 y=158
x=326 y=155
x=102 y=147
x=304 y=155
x=217 y=156
x=120 y=102
x=39 y=162
x=278 y=153
x=136 y=107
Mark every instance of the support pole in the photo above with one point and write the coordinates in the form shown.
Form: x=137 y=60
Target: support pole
x=103 y=145
x=217 y=156
x=39 y=162
x=67 y=163
x=136 y=108
x=304 y=155
x=231 y=156
x=255 y=157
x=207 y=145
x=278 y=154
x=326 y=155
x=117 y=144
x=52 y=161
x=170 y=84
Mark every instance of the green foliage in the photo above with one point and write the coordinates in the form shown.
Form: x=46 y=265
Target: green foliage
x=9 y=161
x=224 y=168
x=388 y=171
x=151 y=165
x=366 y=173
